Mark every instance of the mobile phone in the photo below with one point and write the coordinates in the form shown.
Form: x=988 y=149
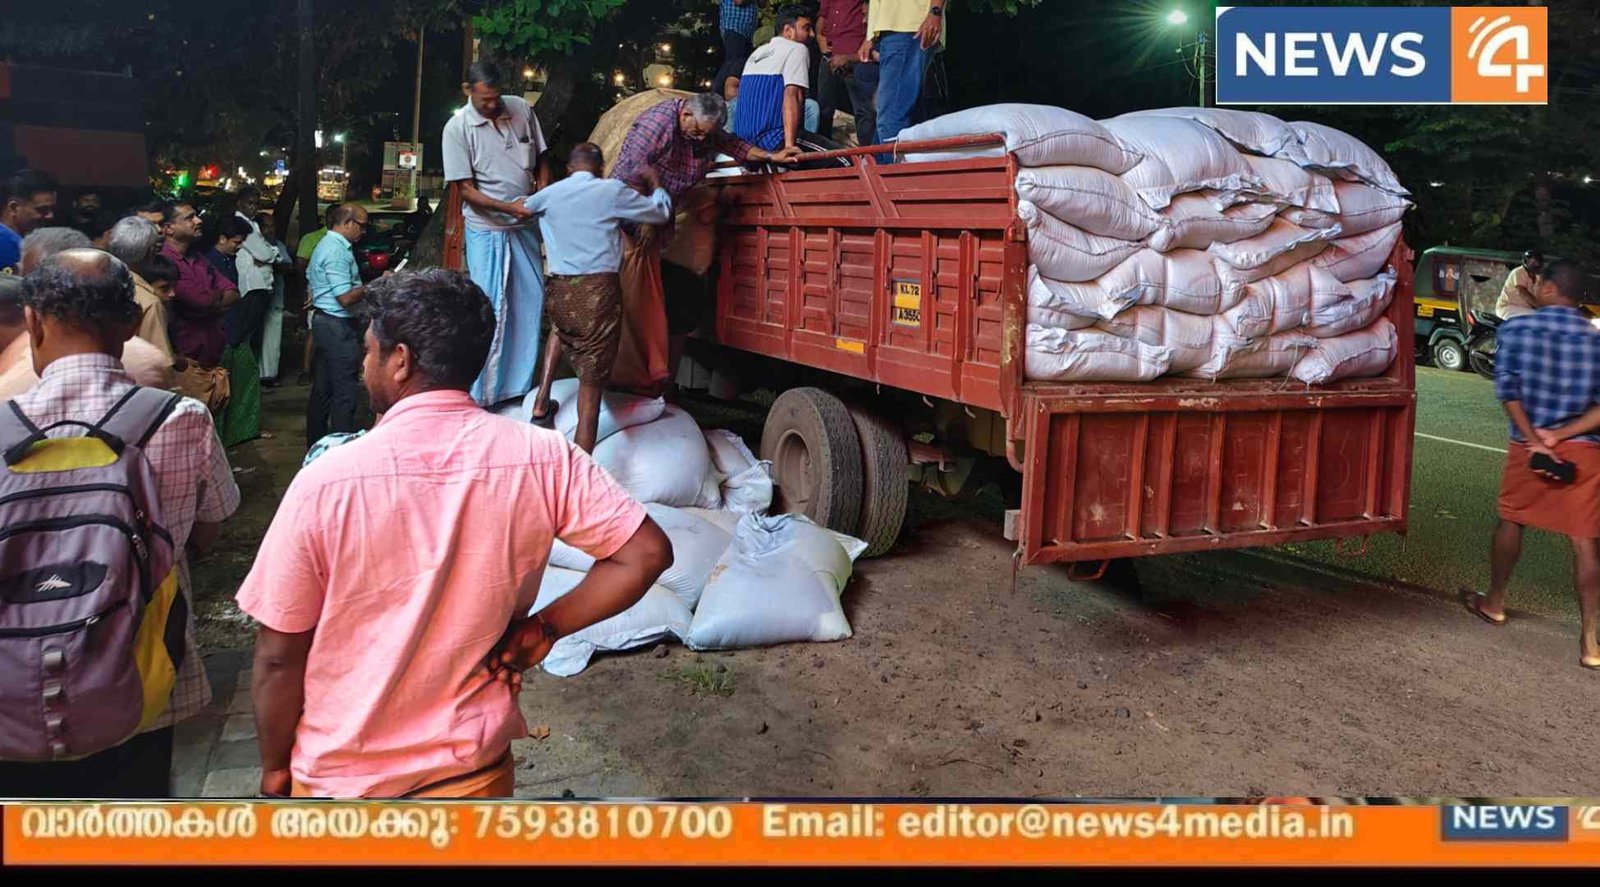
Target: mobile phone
x=1565 y=472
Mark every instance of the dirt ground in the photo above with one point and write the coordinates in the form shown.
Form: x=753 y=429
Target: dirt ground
x=1229 y=674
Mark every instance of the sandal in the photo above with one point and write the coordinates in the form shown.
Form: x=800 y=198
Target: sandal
x=1472 y=600
x=1591 y=664
x=548 y=420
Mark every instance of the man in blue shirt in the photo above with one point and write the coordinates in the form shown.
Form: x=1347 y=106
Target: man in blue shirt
x=1547 y=375
x=28 y=201
x=737 y=22
x=335 y=283
x=580 y=218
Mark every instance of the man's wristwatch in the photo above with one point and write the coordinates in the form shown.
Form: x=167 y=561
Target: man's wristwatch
x=936 y=11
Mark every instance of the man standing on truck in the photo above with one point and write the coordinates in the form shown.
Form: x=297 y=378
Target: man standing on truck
x=905 y=34
x=1547 y=375
x=680 y=139
x=773 y=87
x=29 y=202
x=841 y=32
x=494 y=152
x=1516 y=296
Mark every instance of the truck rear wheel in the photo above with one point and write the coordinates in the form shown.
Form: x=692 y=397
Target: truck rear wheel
x=815 y=452
x=885 y=486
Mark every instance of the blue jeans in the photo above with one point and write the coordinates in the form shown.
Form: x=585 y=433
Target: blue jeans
x=902 y=63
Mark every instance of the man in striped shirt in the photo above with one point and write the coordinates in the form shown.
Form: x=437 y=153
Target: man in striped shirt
x=772 y=91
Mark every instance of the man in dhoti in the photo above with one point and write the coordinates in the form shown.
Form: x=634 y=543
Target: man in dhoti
x=680 y=139
x=494 y=153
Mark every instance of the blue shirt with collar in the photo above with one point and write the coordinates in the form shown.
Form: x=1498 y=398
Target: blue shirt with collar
x=332 y=273
x=580 y=218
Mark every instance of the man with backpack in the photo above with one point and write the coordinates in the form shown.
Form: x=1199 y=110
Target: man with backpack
x=97 y=653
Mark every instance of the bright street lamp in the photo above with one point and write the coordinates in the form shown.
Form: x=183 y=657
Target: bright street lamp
x=1177 y=17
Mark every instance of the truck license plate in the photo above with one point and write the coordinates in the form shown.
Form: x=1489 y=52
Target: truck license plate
x=907 y=304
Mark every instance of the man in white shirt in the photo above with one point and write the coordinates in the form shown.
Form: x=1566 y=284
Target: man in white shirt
x=772 y=90
x=494 y=153
x=254 y=263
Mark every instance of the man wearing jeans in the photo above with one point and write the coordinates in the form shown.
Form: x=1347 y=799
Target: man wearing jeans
x=841 y=31
x=738 y=25
x=907 y=32
x=335 y=286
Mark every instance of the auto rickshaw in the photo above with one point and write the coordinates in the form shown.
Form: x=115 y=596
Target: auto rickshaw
x=1456 y=291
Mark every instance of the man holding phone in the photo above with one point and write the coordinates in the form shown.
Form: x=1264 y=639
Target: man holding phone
x=1547 y=375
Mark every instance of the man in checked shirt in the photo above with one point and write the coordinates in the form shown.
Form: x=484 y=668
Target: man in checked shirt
x=1547 y=375
x=680 y=139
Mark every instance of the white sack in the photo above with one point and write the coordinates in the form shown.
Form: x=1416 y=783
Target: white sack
x=1070 y=306
x=1180 y=156
x=657 y=616
x=1187 y=336
x=1272 y=305
x=1361 y=256
x=1039 y=135
x=1280 y=238
x=1183 y=279
x=665 y=461
x=1287 y=184
x=744 y=481
x=697 y=545
x=1055 y=355
x=1363 y=208
x=617 y=410
x=1234 y=358
x=1356 y=355
x=1339 y=308
x=1311 y=218
x=722 y=520
x=1088 y=198
x=1327 y=149
x=1064 y=252
x=1234 y=279
x=1250 y=131
x=1052 y=317
x=779 y=581
x=1193 y=221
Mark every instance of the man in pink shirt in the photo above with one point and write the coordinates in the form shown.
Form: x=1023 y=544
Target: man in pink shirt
x=393 y=583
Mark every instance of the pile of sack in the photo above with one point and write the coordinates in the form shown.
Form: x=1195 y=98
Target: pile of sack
x=1200 y=242
x=739 y=577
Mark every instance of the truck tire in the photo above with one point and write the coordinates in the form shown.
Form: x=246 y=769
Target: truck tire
x=816 y=458
x=885 y=486
x=1448 y=354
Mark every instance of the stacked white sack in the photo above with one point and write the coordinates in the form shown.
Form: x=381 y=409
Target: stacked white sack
x=1203 y=242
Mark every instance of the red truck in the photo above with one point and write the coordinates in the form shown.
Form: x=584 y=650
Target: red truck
x=895 y=295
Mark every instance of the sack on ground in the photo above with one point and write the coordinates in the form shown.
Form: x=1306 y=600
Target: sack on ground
x=697 y=545
x=1039 y=135
x=1250 y=131
x=665 y=461
x=1363 y=208
x=1055 y=355
x=1180 y=156
x=1272 y=305
x=1287 y=184
x=1339 y=308
x=1362 y=256
x=1357 y=355
x=1328 y=150
x=1279 y=238
x=780 y=581
x=1089 y=198
x=658 y=616
x=617 y=410
x=745 y=481
x=1187 y=336
x=1065 y=252
x=1193 y=221
x=1271 y=357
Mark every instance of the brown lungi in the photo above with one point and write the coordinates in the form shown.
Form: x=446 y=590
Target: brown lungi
x=1532 y=500
x=586 y=313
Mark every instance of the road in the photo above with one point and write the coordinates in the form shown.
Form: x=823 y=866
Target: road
x=1286 y=671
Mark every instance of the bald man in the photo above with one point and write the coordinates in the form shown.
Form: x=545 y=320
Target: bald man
x=335 y=282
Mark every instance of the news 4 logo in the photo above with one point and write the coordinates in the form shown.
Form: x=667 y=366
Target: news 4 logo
x=1429 y=55
x=1504 y=823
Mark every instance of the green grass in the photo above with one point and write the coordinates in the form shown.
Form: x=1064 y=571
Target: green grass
x=703 y=678
x=1453 y=494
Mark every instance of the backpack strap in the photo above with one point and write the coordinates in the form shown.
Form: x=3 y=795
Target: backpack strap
x=18 y=434
x=135 y=418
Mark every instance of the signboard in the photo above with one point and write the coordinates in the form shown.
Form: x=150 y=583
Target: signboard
x=907 y=310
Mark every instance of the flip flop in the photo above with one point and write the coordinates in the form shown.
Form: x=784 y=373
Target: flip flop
x=1591 y=664
x=548 y=420
x=1471 y=599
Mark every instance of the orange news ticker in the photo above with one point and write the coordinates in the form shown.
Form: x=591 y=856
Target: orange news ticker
x=665 y=833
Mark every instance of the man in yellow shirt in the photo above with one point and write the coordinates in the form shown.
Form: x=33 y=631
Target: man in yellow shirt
x=1516 y=296
x=904 y=33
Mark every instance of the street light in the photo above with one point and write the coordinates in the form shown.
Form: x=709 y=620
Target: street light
x=1177 y=18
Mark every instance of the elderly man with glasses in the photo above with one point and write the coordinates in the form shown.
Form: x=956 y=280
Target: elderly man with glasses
x=335 y=283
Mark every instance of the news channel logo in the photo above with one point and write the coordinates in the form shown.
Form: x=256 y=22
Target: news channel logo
x=1431 y=55
x=1520 y=822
